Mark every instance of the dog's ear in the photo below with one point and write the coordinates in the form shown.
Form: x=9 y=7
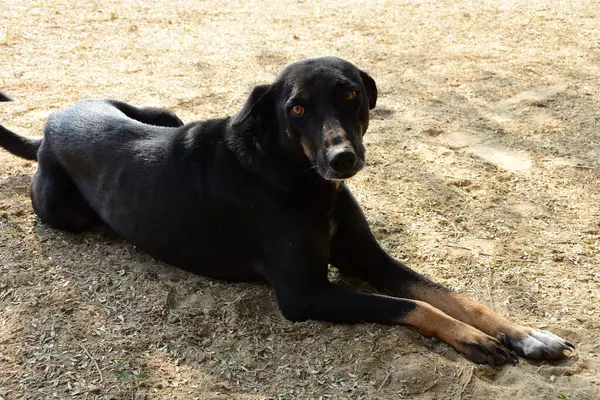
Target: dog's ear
x=260 y=110
x=371 y=88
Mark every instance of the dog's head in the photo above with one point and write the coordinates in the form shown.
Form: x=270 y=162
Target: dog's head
x=318 y=108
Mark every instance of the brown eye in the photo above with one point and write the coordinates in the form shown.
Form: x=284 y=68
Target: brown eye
x=297 y=110
x=351 y=95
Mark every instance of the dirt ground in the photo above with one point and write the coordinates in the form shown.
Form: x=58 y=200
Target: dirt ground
x=483 y=173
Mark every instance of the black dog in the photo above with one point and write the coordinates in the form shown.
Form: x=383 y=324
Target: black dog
x=259 y=195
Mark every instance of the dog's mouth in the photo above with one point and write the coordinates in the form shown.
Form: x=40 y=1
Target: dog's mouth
x=327 y=173
x=337 y=163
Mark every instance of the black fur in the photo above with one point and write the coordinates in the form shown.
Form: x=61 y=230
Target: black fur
x=256 y=196
x=4 y=97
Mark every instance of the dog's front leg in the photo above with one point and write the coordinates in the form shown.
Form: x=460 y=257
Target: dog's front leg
x=355 y=251
x=301 y=297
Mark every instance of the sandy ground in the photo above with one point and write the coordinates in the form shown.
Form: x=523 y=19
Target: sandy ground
x=483 y=173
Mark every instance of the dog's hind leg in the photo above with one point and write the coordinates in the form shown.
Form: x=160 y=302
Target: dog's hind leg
x=57 y=201
x=148 y=115
x=355 y=251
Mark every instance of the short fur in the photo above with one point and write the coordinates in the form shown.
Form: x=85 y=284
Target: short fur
x=257 y=196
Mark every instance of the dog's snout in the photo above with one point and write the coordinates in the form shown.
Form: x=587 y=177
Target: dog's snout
x=342 y=160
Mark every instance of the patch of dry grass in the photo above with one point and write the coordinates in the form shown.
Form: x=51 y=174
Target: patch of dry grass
x=89 y=316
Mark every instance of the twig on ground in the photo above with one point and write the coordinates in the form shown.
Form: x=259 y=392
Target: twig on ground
x=462 y=390
x=91 y=358
x=466 y=248
x=384 y=381
x=429 y=387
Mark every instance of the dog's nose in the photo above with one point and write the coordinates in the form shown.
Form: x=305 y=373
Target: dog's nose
x=341 y=160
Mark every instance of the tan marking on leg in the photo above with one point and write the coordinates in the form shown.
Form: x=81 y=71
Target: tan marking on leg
x=473 y=343
x=467 y=310
x=526 y=341
x=429 y=320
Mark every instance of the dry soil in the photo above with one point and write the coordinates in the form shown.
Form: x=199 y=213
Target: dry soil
x=483 y=173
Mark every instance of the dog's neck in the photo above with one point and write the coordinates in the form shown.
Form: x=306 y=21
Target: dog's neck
x=280 y=168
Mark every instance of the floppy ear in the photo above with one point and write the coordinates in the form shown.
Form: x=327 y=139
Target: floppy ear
x=259 y=108
x=371 y=88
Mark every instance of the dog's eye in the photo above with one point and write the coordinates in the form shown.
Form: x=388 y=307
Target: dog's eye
x=351 y=95
x=298 y=110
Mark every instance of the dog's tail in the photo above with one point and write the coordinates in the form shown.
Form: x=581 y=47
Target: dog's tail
x=18 y=145
x=4 y=97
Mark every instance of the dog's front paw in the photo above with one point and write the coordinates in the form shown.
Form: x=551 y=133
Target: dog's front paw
x=481 y=348
x=538 y=345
